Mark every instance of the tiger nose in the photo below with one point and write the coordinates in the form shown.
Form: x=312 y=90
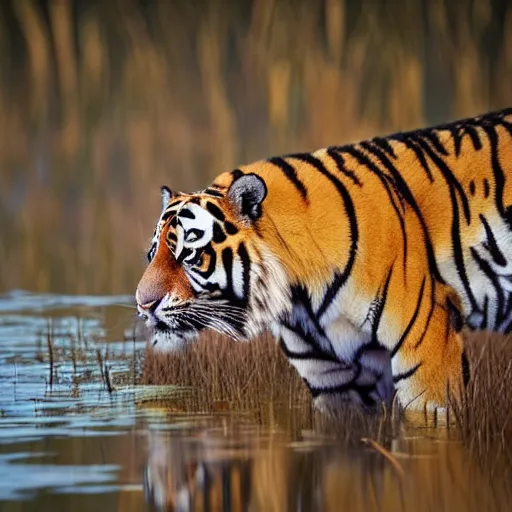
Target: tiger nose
x=148 y=300
x=151 y=289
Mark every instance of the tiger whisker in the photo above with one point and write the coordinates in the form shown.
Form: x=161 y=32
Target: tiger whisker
x=207 y=321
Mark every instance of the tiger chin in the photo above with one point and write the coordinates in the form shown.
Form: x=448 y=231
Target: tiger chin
x=365 y=260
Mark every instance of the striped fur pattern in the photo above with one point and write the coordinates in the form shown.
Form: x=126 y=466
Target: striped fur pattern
x=364 y=260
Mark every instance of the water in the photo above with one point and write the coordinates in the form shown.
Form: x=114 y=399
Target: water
x=67 y=442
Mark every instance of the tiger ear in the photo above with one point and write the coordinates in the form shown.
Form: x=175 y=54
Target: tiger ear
x=246 y=194
x=167 y=195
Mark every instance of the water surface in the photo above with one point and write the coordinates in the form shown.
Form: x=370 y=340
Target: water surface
x=78 y=432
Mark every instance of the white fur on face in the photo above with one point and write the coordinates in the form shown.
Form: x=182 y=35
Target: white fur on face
x=168 y=341
x=196 y=232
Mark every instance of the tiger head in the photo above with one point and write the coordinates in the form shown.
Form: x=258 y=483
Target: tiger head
x=208 y=266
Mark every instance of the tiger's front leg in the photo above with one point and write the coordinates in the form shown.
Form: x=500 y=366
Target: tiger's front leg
x=331 y=381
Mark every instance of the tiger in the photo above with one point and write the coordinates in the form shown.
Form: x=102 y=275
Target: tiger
x=365 y=261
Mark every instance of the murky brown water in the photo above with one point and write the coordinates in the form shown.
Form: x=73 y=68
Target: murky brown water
x=101 y=102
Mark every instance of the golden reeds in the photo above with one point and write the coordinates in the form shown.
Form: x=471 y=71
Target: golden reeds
x=102 y=103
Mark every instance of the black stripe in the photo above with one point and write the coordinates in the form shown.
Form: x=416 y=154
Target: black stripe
x=386 y=180
x=230 y=228
x=227 y=262
x=455 y=315
x=214 y=193
x=300 y=296
x=411 y=322
x=475 y=139
x=384 y=144
x=381 y=303
x=499 y=177
x=341 y=388
x=485 y=311
x=472 y=188
x=339 y=279
x=486 y=188
x=168 y=213
x=507 y=125
x=493 y=118
x=340 y=163
x=433 y=284
x=215 y=211
x=280 y=237
x=237 y=173
x=151 y=253
x=407 y=374
x=186 y=214
x=218 y=234
x=492 y=245
x=192 y=278
x=450 y=179
x=290 y=173
x=310 y=340
x=198 y=233
x=421 y=158
x=246 y=264
x=457 y=138
x=431 y=136
x=185 y=253
x=486 y=269
x=312 y=355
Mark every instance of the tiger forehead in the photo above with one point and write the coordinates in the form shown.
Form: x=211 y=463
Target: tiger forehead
x=212 y=204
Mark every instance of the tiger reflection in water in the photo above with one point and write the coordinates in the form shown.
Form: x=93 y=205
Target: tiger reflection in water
x=271 y=473
x=185 y=474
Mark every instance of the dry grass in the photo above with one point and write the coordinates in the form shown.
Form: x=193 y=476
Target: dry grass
x=245 y=374
x=484 y=418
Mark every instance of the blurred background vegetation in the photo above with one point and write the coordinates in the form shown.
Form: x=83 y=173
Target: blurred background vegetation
x=103 y=101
